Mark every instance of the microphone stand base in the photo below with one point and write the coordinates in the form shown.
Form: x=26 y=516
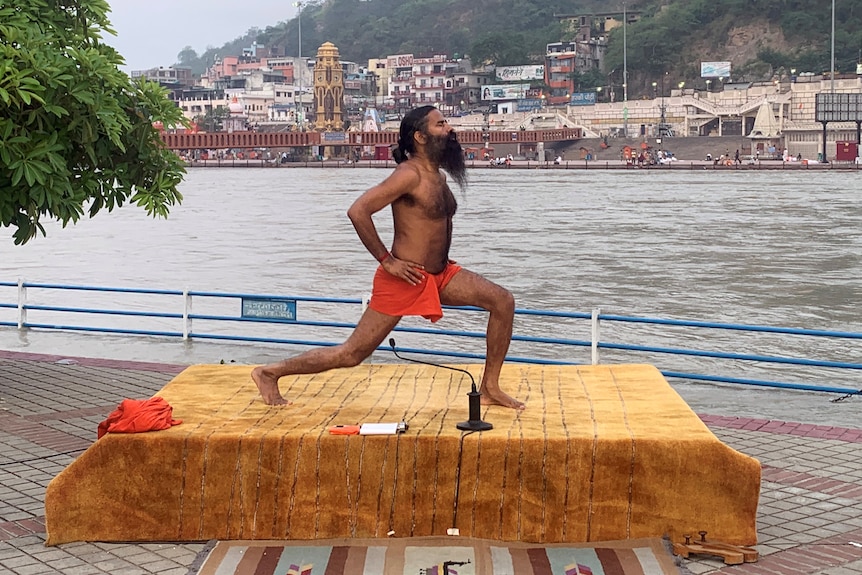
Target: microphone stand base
x=474 y=425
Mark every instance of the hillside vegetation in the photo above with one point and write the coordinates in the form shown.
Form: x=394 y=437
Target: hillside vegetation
x=762 y=38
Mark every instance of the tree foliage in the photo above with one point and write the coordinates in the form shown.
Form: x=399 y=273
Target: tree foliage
x=375 y=29
x=660 y=45
x=508 y=32
x=213 y=120
x=76 y=133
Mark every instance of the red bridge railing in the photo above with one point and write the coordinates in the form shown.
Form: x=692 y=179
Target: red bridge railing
x=217 y=140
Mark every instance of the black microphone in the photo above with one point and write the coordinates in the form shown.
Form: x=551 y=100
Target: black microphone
x=475 y=422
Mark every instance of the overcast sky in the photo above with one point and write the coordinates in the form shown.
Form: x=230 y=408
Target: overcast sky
x=151 y=33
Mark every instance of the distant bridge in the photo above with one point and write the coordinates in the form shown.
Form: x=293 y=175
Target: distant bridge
x=238 y=140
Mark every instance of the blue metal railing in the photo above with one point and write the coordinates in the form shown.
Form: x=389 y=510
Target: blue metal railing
x=535 y=344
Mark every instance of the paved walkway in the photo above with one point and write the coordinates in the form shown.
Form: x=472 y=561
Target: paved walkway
x=809 y=521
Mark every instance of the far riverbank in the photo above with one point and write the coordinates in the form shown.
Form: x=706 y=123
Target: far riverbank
x=533 y=165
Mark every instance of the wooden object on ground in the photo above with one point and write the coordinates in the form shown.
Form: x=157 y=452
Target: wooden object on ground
x=732 y=554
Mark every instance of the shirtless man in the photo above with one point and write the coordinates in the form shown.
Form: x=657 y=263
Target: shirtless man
x=416 y=276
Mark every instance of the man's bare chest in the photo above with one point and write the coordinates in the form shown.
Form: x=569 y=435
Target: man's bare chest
x=433 y=202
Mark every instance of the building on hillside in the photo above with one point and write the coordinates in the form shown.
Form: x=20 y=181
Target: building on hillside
x=171 y=77
x=775 y=118
x=563 y=60
x=601 y=23
x=360 y=89
x=223 y=66
x=559 y=72
x=464 y=85
x=197 y=102
x=378 y=67
x=429 y=80
x=286 y=65
x=260 y=51
x=399 y=99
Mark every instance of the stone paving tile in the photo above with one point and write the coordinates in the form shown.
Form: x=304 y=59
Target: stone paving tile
x=810 y=506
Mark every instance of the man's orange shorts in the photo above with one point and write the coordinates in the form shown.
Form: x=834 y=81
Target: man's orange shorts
x=394 y=296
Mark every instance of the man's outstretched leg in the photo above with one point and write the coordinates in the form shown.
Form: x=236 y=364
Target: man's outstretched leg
x=372 y=328
x=468 y=288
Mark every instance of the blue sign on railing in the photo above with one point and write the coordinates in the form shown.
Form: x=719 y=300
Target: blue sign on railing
x=269 y=308
x=334 y=137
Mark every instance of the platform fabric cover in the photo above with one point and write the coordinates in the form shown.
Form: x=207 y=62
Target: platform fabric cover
x=601 y=453
x=441 y=555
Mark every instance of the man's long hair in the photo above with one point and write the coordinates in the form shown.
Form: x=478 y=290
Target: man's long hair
x=446 y=153
x=415 y=121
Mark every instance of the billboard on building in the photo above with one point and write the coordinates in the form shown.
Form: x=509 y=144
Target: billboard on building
x=520 y=73
x=528 y=105
x=831 y=107
x=715 y=69
x=583 y=99
x=399 y=61
x=505 y=91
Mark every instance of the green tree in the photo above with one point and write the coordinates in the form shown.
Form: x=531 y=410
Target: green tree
x=76 y=133
x=188 y=57
x=213 y=120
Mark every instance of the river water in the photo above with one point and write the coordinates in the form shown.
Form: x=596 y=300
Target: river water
x=767 y=248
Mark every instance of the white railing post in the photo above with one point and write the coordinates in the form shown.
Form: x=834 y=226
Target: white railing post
x=22 y=302
x=187 y=310
x=366 y=299
x=595 y=336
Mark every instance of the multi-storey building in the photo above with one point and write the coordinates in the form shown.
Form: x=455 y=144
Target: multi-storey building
x=464 y=84
x=559 y=71
x=360 y=90
x=171 y=78
x=563 y=60
x=400 y=96
x=196 y=102
x=378 y=67
x=429 y=80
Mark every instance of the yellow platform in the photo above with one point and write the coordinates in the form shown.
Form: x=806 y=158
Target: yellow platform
x=601 y=453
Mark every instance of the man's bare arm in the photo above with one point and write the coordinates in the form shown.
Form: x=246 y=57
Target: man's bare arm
x=400 y=182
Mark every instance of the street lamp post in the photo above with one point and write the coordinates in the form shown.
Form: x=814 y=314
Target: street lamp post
x=625 y=78
x=661 y=105
x=299 y=110
x=832 y=72
x=661 y=126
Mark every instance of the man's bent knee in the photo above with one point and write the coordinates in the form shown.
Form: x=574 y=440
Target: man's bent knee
x=504 y=303
x=351 y=356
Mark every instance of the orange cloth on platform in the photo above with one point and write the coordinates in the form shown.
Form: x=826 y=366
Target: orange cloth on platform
x=137 y=415
x=394 y=296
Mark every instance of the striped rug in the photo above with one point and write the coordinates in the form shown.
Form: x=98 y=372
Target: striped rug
x=434 y=556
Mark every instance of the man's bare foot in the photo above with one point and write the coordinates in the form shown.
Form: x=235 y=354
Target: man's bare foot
x=498 y=397
x=268 y=387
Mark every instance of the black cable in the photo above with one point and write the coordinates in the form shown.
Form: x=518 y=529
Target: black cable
x=458 y=479
x=475 y=422
x=470 y=375
x=846 y=396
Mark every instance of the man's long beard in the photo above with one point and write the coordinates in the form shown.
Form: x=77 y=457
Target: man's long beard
x=446 y=152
